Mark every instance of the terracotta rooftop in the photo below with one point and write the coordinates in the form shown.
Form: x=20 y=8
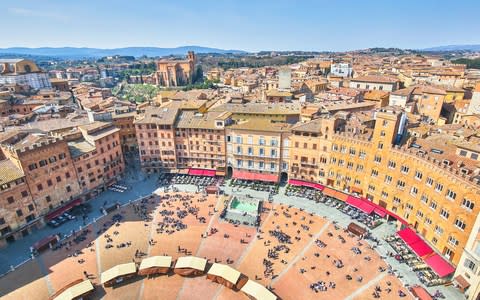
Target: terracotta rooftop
x=375 y=78
x=9 y=171
x=260 y=108
x=191 y=119
x=261 y=124
x=160 y=115
x=314 y=126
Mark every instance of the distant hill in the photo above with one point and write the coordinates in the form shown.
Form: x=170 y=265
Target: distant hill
x=72 y=52
x=454 y=48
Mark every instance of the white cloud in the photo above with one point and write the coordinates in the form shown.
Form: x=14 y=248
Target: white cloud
x=23 y=12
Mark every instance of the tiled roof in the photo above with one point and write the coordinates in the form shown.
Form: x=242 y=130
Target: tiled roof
x=375 y=78
x=9 y=171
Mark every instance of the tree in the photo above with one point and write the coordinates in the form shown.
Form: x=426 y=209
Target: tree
x=198 y=75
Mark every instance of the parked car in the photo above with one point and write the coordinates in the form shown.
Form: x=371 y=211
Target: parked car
x=68 y=216
x=53 y=223
x=61 y=219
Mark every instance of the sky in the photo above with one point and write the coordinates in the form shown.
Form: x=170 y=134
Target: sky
x=320 y=25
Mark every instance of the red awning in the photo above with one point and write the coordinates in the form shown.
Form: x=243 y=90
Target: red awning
x=195 y=172
x=295 y=182
x=421 y=248
x=266 y=177
x=243 y=175
x=362 y=204
x=298 y=182
x=439 y=265
x=209 y=173
x=397 y=217
x=354 y=201
x=63 y=209
x=409 y=236
x=380 y=211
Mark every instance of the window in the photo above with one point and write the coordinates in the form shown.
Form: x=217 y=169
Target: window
x=239 y=163
x=272 y=166
x=418 y=175
x=451 y=195
x=250 y=164
x=30 y=207
x=433 y=205
x=239 y=139
x=273 y=153
x=239 y=150
x=273 y=142
x=392 y=164
x=460 y=224
x=396 y=200
x=444 y=213
x=261 y=165
x=429 y=181
x=413 y=191
x=474 y=156
x=24 y=194
x=250 y=151
x=362 y=154
x=229 y=138
x=384 y=194
x=261 y=141
x=438 y=187
x=69 y=189
x=59 y=178
x=470 y=265
x=374 y=173
x=424 y=199
x=467 y=204
x=428 y=221
x=452 y=241
x=438 y=230
x=388 y=179
x=420 y=214
x=261 y=152
x=380 y=145
x=400 y=184
x=404 y=169
x=32 y=167
x=10 y=200
x=250 y=140
x=49 y=182
x=39 y=187
x=377 y=159
x=19 y=212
